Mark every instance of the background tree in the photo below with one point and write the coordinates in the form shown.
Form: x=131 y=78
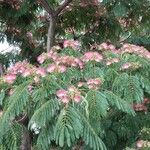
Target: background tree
x=89 y=21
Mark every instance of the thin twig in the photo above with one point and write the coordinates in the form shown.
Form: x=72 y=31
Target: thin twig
x=61 y=7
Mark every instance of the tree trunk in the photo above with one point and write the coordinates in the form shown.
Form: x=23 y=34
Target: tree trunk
x=1 y=69
x=51 y=33
x=26 y=140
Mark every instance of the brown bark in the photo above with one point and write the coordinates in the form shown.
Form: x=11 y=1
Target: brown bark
x=1 y=69
x=26 y=140
x=51 y=33
x=53 y=19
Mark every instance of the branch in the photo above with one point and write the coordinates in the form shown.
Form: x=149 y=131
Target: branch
x=61 y=7
x=46 y=6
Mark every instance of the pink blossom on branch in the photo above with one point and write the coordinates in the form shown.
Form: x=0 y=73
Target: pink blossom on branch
x=71 y=43
x=41 y=58
x=26 y=72
x=111 y=61
x=92 y=56
x=41 y=72
x=70 y=61
x=56 y=68
x=9 y=78
x=126 y=66
x=140 y=144
x=72 y=94
x=94 y=83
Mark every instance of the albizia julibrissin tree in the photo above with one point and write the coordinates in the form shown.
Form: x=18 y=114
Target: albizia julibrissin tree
x=97 y=99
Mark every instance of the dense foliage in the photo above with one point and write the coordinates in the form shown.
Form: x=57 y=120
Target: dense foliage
x=78 y=99
x=92 y=21
x=78 y=95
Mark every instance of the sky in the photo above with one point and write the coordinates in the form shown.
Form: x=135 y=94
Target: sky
x=5 y=47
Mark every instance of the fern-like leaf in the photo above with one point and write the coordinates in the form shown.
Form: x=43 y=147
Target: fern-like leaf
x=17 y=103
x=45 y=137
x=44 y=114
x=121 y=104
x=98 y=104
x=90 y=137
x=68 y=127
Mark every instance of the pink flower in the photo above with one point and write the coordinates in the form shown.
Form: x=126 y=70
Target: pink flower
x=80 y=84
x=30 y=88
x=36 y=79
x=108 y=62
x=71 y=43
x=71 y=89
x=26 y=73
x=74 y=94
x=115 y=60
x=146 y=101
x=52 y=55
x=140 y=144
x=65 y=100
x=90 y=56
x=70 y=61
x=111 y=47
x=61 y=93
x=104 y=46
x=67 y=95
x=10 y=78
x=94 y=83
x=125 y=45
x=41 y=58
x=79 y=62
x=29 y=34
x=147 y=54
x=77 y=98
x=62 y=68
x=41 y=72
x=139 y=107
x=56 y=68
x=63 y=96
x=51 y=68
x=126 y=66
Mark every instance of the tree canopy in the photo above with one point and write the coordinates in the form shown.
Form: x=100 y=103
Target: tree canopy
x=82 y=81
x=91 y=21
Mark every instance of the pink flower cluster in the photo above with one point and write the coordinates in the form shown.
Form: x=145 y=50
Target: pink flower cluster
x=132 y=66
x=92 y=56
x=142 y=106
x=106 y=46
x=22 y=68
x=126 y=66
x=111 y=61
x=142 y=144
x=139 y=50
x=70 y=61
x=94 y=83
x=72 y=44
x=51 y=55
x=25 y=70
x=40 y=71
x=72 y=94
x=56 y=68
x=60 y=60
x=9 y=78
